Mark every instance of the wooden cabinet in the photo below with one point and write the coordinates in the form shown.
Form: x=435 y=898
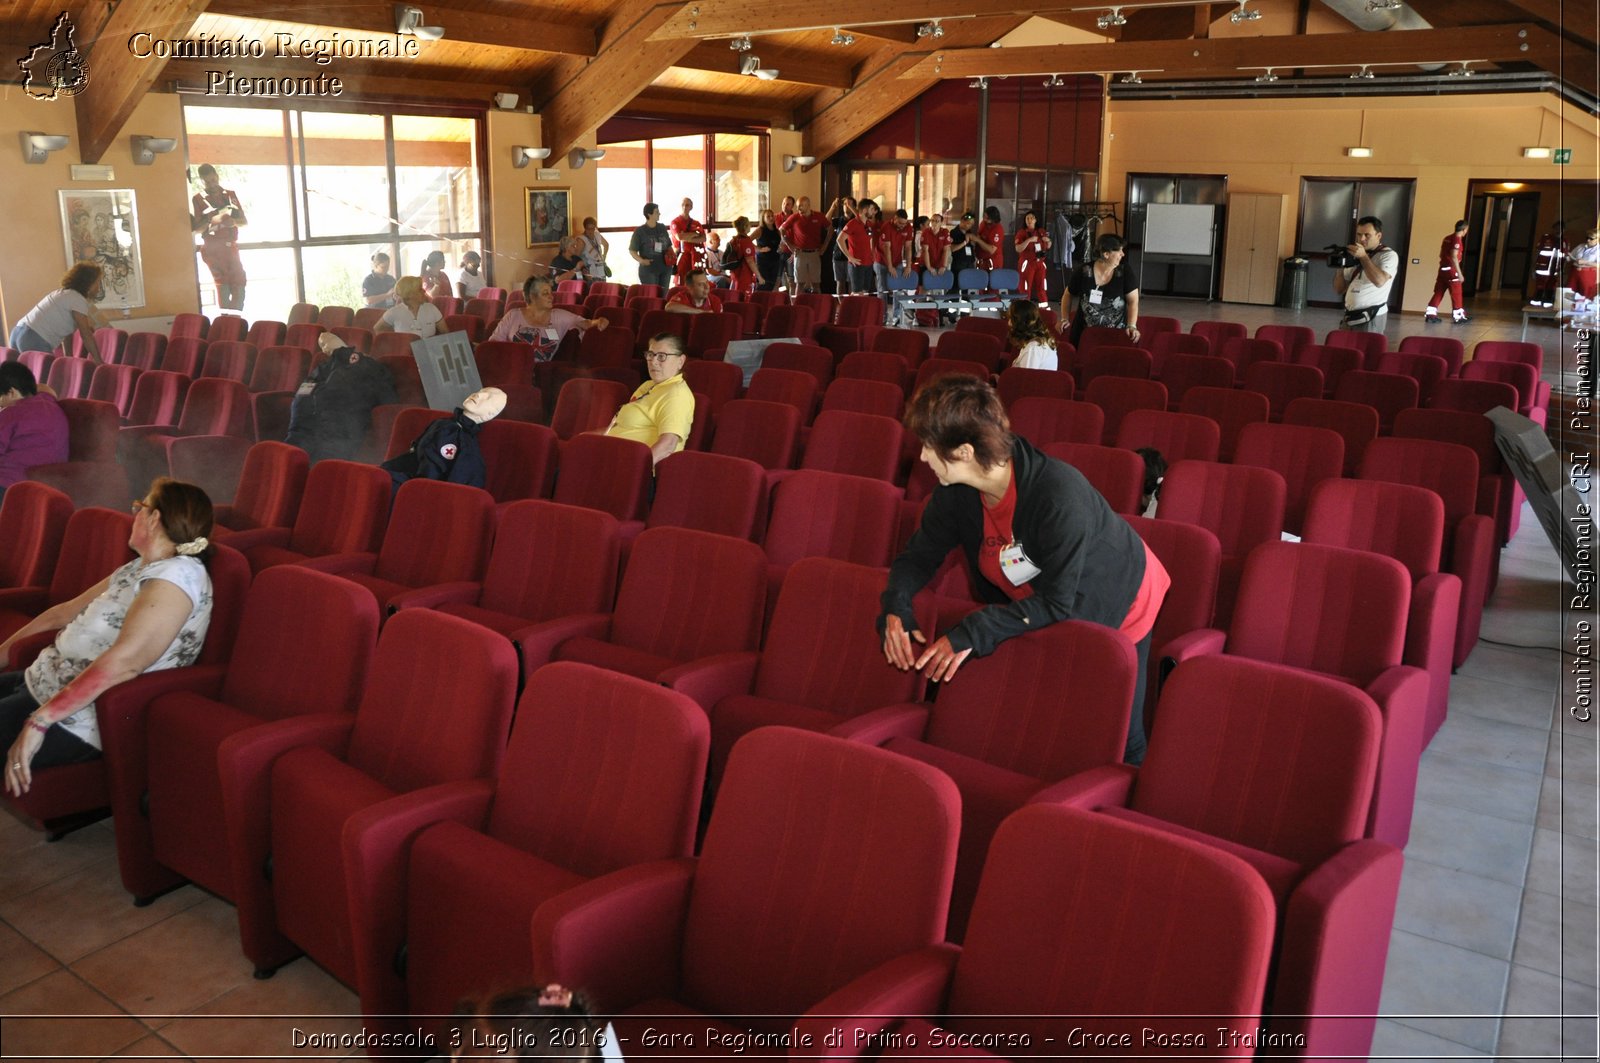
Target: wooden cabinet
x=1250 y=251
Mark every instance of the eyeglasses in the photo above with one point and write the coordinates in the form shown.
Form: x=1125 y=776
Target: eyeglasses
x=139 y=504
x=661 y=356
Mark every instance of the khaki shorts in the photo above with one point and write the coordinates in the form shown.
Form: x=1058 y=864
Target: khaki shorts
x=807 y=267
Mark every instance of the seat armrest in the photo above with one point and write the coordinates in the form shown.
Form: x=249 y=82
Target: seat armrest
x=1431 y=624
x=1401 y=693
x=25 y=650
x=914 y=984
x=376 y=842
x=710 y=679
x=250 y=538
x=355 y=562
x=1197 y=643
x=460 y=592
x=29 y=601
x=620 y=936
x=1108 y=786
x=537 y=643
x=878 y=726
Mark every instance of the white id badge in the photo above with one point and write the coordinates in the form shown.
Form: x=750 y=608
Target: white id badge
x=1015 y=566
x=1096 y=297
x=306 y=388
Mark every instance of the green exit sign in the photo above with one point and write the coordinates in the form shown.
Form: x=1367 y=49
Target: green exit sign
x=1562 y=156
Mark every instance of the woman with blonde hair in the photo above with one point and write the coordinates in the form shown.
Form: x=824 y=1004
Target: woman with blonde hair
x=412 y=313
x=63 y=312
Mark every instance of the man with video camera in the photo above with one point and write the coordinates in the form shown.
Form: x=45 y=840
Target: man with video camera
x=1364 y=274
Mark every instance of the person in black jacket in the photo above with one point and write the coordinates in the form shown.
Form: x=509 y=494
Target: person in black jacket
x=331 y=409
x=1043 y=542
x=448 y=448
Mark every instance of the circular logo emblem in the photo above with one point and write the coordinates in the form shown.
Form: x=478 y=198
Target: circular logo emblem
x=448 y=451
x=67 y=73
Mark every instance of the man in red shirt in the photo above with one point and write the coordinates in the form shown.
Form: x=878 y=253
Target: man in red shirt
x=1449 y=278
x=861 y=247
x=688 y=238
x=936 y=246
x=804 y=231
x=694 y=297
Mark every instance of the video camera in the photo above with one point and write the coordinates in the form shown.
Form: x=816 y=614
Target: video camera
x=1339 y=257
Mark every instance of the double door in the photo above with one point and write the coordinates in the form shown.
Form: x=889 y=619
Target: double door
x=1329 y=208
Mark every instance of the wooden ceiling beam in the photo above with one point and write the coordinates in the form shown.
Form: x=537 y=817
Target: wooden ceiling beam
x=717 y=58
x=1574 y=63
x=754 y=111
x=580 y=94
x=1224 y=56
x=521 y=27
x=1573 y=18
x=120 y=79
x=358 y=78
x=730 y=18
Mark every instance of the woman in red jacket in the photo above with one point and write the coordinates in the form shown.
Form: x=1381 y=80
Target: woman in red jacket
x=1032 y=241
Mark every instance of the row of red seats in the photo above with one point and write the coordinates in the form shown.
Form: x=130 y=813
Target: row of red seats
x=393 y=750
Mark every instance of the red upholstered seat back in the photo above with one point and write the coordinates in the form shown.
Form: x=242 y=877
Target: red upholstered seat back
x=763 y=432
x=94 y=545
x=1044 y=421
x=864 y=396
x=438 y=533
x=438 y=702
x=1017 y=383
x=712 y=332
x=1426 y=369
x=861 y=444
x=800 y=357
x=1356 y=422
x=1370 y=345
x=910 y=344
x=215 y=407
x=1509 y=351
x=266 y=334
x=289 y=610
x=1302 y=455
x=551 y=560
x=1200 y=910
x=709 y=492
x=1401 y=521
x=1519 y=375
x=344 y=508
x=823 y=859
x=1326 y=608
x=1116 y=395
x=91 y=429
x=1232 y=411
x=1333 y=361
x=157 y=398
x=1241 y=506
x=521 y=459
x=1118 y=474
x=1447 y=469
x=1045 y=705
x=689 y=594
x=1290 y=337
x=184 y=354
x=145 y=350
x=1184 y=371
x=1388 y=393
x=791 y=387
x=274 y=478
x=586 y=405
x=1178 y=436
x=333 y=317
x=827 y=514
x=33 y=519
x=790 y=321
x=1193 y=559
x=282 y=368
x=719 y=382
x=1446 y=347
x=1305 y=799
x=609 y=771
x=963 y=346
x=1471 y=430
x=1218 y=331
x=229 y=359
x=1472 y=395
x=1282 y=383
x=607 y=473
x=114 y=384
x=814 y=654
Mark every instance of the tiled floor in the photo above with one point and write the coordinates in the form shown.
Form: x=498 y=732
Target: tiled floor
x=1493 y=953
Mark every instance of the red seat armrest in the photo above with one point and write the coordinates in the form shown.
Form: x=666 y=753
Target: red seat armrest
x=914 y=984
x=710 y=679
x=880 y=725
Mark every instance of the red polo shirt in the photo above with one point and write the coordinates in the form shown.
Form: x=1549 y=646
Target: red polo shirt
x=936 y=243
x=682 y=297
x=805 y=232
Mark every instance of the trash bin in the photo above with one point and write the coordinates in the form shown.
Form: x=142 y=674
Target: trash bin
x=1292 y=285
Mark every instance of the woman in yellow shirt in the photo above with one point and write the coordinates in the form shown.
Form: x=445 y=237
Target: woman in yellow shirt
x=661 y=412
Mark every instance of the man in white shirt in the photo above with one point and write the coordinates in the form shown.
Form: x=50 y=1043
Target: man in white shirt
x=1365 y=286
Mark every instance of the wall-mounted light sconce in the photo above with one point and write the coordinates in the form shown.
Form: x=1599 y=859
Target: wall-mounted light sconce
x=521 y=156
x=578 y=156
x=1536 y=153
x=1384 y=5
x=36 y=147
x=506 y=101
x=145 y=149
x=1359 y=153
x=408 y=23
x=791 y=161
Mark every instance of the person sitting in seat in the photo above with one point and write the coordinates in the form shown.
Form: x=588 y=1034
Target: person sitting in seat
x=33 y=427
x=661 y=413
x=331 y=409
x=694 y=297
x=540 y=322
x=412 y=314
x=148 y=615
x=1031 y=336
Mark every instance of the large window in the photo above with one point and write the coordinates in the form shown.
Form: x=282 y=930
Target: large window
x=722 y=174
x=325 y=190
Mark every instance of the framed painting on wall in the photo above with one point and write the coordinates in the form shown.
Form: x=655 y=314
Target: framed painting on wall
x=549 y=215
x=101 y=225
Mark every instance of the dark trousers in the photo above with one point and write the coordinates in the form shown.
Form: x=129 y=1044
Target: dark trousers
x=841 y=276
x=862 y=280
x=656 y=273
x=1133 y=752
x=16 y=705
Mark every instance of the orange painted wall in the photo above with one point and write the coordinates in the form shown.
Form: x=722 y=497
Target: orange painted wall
x=1269 y=145
x=507 y=194
x=37 y=257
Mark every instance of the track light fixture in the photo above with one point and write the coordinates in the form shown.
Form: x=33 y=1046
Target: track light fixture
x=1132 y=78
x=1363 y=74
x=1268 y=76
x=521 y=156
x=1463 y=71
x=978 y=83
x=842 y=39
x=408 y=23
x=1384 y=5
x=931 y=28
x=1054 y=81
x=1245 y=14
x=740 y=44
x=1113 y=17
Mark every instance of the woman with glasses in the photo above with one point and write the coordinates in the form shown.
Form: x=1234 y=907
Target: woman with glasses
x=540 y=322
x=661 y=413
x=148 y=615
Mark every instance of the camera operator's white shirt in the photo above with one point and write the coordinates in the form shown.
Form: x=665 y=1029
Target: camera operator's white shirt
x=1362 y=293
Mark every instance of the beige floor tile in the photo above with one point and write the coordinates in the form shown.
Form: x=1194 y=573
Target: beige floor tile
x=1492 y=742
x=1477 y=786
x=1573 y=757
x=1536 y=1004
x=21 y=961
x=173 y=967
x=1394 y=1041
x=1564 y=865
x=27 y=861
x=1557 y=937
x=1458 y=908
x=80 y=1022
x=1504 y=702
x=151 y=1047
x=1569 y=808
x=88 y=910
x=1443 y=990
x=301 y=996
x=1469 y=841
x=1502 y=664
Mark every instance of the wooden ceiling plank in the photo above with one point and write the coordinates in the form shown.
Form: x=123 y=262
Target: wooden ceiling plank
x=1574 y=18
x=529 y=29
x=119 y=78
x=717 y=58
x=628 y=61
x=1572 y=63
x=724 y=18
x=1221 y=56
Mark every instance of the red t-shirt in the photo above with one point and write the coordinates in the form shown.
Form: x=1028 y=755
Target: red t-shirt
x=742 y=246
x=862 y=240
x=936 y=243
x=992 y=232
x=997 y=535
x=805 y=232
x=681 y=225
x=1449 y=249
x=682 y=297
x=897 y=240
x=1037 y=236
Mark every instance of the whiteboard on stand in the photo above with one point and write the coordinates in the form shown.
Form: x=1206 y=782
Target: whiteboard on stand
x=1180 y=229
